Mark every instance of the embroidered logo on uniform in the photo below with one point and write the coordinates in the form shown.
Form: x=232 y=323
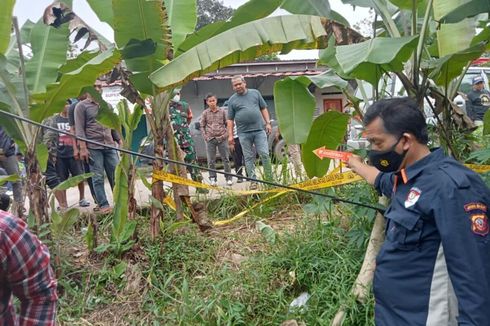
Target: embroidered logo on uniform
x=413 y=197
x=479 y=224
x=475 y=206
x=384 y=163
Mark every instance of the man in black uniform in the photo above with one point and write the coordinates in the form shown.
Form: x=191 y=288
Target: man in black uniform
x=434 y=265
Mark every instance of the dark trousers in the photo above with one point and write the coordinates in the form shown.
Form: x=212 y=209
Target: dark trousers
x=238 y=157
x=86 y=167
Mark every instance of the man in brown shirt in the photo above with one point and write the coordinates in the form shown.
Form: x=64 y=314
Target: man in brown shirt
x=213 y=126
x=99 y=157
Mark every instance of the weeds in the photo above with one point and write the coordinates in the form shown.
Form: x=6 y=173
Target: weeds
x=190 y=279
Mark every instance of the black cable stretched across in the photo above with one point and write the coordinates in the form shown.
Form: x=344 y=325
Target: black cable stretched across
x=166 y=160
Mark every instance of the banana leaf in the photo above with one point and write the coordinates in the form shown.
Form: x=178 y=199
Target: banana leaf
x=6 y=24
x=147 y=24
x=369 y=60
x=182 y=19
x=242 y=43
x=250 y=11
x=295 y=106
x=328 y=130
x=468 y=9
x=103 y=10
x=70 y=84
x=49 y=48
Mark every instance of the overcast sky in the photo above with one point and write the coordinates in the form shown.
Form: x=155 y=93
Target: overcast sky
x=30 y=9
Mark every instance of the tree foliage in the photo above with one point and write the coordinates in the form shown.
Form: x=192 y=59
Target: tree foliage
x=210 y=11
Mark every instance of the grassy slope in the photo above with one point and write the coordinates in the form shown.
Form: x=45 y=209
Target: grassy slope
x=232 y=276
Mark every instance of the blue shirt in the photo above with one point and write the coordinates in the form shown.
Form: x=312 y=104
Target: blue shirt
x=434 y=266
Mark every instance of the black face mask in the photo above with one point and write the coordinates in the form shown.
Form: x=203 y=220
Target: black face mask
x=387 y=161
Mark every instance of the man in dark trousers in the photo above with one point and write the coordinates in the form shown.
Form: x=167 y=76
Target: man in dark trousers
x=101 y=159
x=66 y=163
x=434 y=265
x=25 y=273
x=213 y=126
x=248 y=109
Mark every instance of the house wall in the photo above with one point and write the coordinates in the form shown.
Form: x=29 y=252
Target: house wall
x=194 y=93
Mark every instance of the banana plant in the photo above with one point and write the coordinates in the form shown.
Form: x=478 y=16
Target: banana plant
x=123 y=223
x=162 y=47
x=37 y=87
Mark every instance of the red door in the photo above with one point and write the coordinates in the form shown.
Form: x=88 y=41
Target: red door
x=332 y=104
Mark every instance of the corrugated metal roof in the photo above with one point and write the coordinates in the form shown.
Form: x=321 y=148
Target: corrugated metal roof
x=259 y=74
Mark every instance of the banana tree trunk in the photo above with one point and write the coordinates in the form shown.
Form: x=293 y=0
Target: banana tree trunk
x=36 y=189
x=157 y=187
x=175 y=154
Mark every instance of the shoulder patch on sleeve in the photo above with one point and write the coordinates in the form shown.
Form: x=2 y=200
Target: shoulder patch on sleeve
x=457 y=175
x=479 y=224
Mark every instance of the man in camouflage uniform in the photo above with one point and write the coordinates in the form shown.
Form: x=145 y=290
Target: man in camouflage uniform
x=180 y=118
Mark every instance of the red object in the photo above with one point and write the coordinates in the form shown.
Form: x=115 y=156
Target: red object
x=25 y=272
x=322 y=153
x=480 y=61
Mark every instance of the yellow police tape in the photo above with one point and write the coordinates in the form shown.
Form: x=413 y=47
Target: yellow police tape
x=330 y=180
x=333 y=179
x=478 y=168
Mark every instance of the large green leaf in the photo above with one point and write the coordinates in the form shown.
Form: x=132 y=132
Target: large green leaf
x=327 y=57
x=73 y=181
x=250 y=11
x=182 y=19
x=407 y=4
x=146 y=25
x=242 y=43
x=42 y=155
x=13 y=100
x=12 y=53
x=486 y=123
x=146 y=21
x=327 y=79
x=49 y=48
x=105 y=115
x=452 y=38
x=9 y=178
x=103 y=10
x=468 y=9
x=370 y=59
x=78 y=62
x=444 y=70
x=483 y=37
x=295 y=106
x=307 y=7
x=61 y=224
x=328 y=130
x=5 y=24
x=12 y=127
x=71 y=84
x=120 y=218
